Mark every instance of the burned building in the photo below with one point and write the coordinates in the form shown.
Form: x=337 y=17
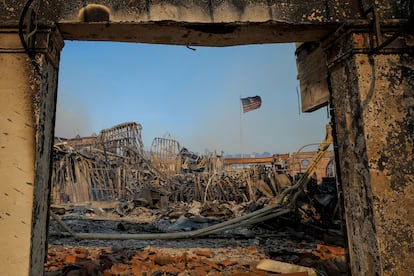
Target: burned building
x=114 y=166
x=364 y=53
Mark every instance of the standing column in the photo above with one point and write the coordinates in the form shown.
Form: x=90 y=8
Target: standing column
x=372 y=96
x=28 y=88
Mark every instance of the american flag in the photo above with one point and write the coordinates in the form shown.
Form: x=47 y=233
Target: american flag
x=251 y=103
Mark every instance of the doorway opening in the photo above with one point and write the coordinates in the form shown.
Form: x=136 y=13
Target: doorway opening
x=153 y=138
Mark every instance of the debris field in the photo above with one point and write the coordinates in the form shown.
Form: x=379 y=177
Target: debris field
x=118 y=210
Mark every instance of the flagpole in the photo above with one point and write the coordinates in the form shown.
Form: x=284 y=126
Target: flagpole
x=241 y=128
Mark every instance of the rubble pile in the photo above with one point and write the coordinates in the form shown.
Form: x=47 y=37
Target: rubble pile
x=94 y=175
x=113 y=167
x=238 y=186
x=190 y=261
x=118 y=197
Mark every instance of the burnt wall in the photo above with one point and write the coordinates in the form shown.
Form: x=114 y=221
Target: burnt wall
x=373 y=101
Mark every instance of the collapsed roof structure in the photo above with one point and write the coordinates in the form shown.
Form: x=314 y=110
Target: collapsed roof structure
x=115 y=166
x=173 y=193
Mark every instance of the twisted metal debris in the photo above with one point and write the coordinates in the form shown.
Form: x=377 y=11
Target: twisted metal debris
x=282 y=204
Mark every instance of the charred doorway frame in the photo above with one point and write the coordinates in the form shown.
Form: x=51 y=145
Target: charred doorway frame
x=342 y=30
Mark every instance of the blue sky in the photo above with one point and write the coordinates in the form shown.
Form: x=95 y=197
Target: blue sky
x=192 y=96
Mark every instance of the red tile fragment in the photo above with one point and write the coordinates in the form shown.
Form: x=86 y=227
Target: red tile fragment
x=198 y=272
x=203 y=253
x=163 y=259
x=181 y=266
x=119 y=268
x=142 y=255
x=253 y=250
x=170 y=269
x=71 y=259
x=332 y=249
x=141 y=270
x=135 y=261
x=227 y=262
x=212 y=264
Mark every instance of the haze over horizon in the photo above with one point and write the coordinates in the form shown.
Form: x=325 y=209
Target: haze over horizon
x=191 y=96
